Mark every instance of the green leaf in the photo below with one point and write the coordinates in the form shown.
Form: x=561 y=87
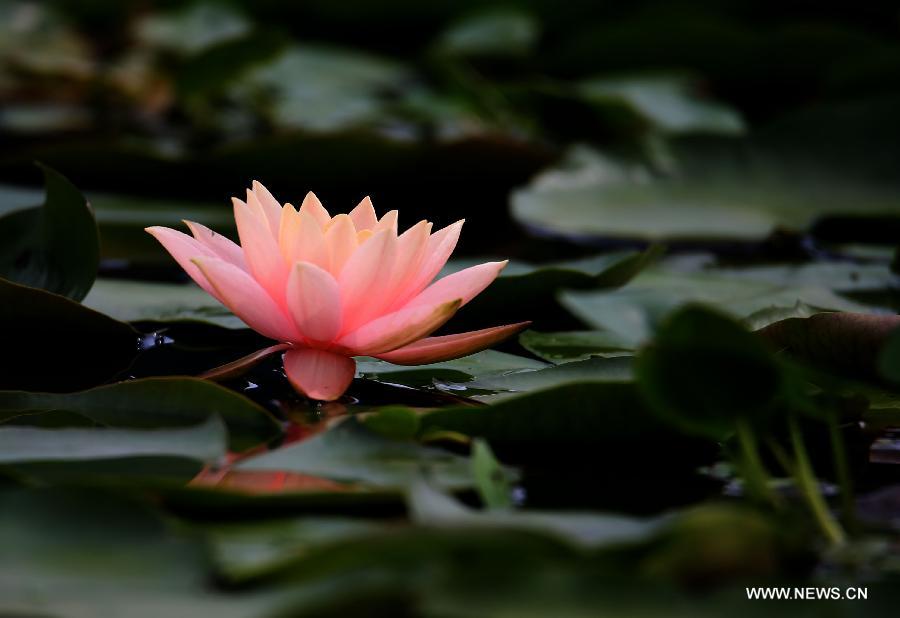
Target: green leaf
x=667 y=103
x=49 y=339
x=593 y=197
x=320 y=89
x=350 y=452
x=153 y=403
x=491 y=480
x=135 y=301
x=704 y=371
x=54 y=247
x=393 y=422
x=589 y=530
x=193 y=28
x=485 y=363
x=568 y=417
x=503 y=32
x=526 y=292
x=632 y=313
x=205 y=442
x=615 y=369
x=566 y=347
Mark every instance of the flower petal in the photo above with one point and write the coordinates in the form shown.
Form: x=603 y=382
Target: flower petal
x=362 y=279
x=448 y=347
x=363 y=216
x=340 y=238
x=387 y=222
x=270 y=206
x=398 y=329
x=300 y=238
x=247 y=299
x=260 y=249
x=437 y=251
x=184 y=249
x=220 y=245
x=465 y=284
x=313 y=207
x=314 y=301
x=319 y=374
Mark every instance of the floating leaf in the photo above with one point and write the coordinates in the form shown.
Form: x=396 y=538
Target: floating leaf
x=152 y=403
x=704 y=371
x=492 y=33
x=205 y=442
x=592 y=197
x=566 y=347
x=492 y=481
x=632 y=313
x=485 y=363
x=54 y=247
x=350 y=452
x=667 y=103
x=137 y=301
x=47 y=340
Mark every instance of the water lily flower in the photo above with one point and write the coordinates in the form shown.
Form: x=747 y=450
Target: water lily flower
x=331 y=288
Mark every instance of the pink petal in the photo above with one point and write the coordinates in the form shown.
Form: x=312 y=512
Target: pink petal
x=362 y=279
x=319 y=374
x=263 y=255
x=313 y=207
x=270 y=206
x=411 y=246
x=363 y=216
x=314 y=301
x=387 y=222
x=448 y=347
x=437 y=251
x=247 y=299
x=340 y=238
x=184 y=249
x=465 y=284
x=397 y=329
x=301 y=238
x=220 y=245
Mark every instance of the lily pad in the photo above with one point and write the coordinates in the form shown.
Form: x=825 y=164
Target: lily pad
x=569 y=346
x=593 y=197
x=134 y=301
x=153 y=403
x=54 y=247
x=350 y=452
x=47 y=339
x=631 y=314
x=485 y=363
x=205 y=442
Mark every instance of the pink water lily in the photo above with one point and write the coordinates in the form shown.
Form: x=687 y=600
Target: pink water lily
x=332 y=288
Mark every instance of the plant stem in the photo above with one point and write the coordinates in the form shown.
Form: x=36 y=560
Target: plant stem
x=842 y=470
x=809 y=485
x=755 y=474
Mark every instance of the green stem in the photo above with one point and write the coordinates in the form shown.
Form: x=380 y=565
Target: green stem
x=809 y=485
x=842 y=470
x=755 y=475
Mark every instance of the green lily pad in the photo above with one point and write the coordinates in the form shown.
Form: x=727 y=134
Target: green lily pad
x=54 y=247
x=526 y=291
x=614 y=369
x=569 y=346
x=591 y=196
x=205 y=442
x=133 y=301
x=492 y=33
x=350 y=452
x=485 y=363
x=740 y=378
x=631 y=314
x=154 y=403
x=667 y=103
x=48 y=338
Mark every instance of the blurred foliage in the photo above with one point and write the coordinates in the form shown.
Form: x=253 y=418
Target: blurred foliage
x=701 y=204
